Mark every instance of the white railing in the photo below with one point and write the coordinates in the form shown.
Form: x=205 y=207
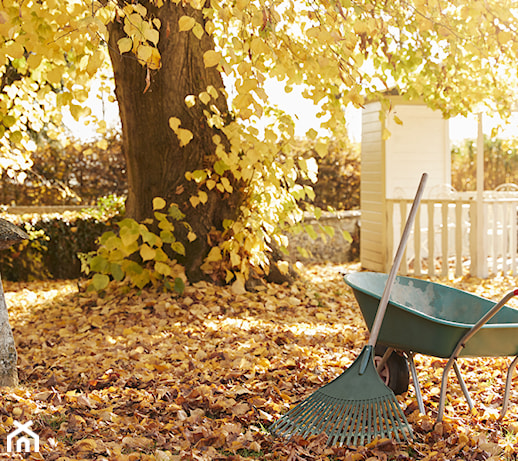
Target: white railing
x=445 y=240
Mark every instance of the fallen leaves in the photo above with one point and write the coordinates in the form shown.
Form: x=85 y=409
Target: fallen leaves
x=151 y=376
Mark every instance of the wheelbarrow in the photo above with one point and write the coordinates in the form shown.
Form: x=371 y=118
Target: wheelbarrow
x=437 y=320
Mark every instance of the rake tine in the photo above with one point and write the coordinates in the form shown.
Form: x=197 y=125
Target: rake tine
x=319 y=421
x=390 y=417
x=337 y=428
x=400 y=424
x=378 y=430
x=395 y=419
x=389 y=421
x=393 y=423
x=402 y=420
x=312 y=418
x=334 y=431
x=340 y=423
x=297 y=414
x=365 y=414
x=328 y=417
x=370 y=422
x=301 y=419
x=325 y=418
x=353 y=422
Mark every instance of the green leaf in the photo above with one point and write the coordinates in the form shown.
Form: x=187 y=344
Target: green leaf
x=100 y=281
x=140 y=280
x=112 y=243
x=133 y=268
x=199 y=175
x=220 y=167
x=9 y=121
x=106 y=236
x=175 y=212
x=98 y=264
x=129 y=231
x=117 y=272
x=167 y=236
x=311 y=231
x=149 y=237
x=179 y=285
x=347 y=236
x=126 y=250
x=160 y=255
x=329 y=230
x=163 y=268
x=16 y=136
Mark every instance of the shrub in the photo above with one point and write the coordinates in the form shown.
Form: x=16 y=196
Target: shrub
x=55 y=242
x=68 y=175
x=140 y=255
x=338 y=181
x=500 y=163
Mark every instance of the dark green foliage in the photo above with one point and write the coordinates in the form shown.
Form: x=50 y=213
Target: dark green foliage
x=67 y=238
x=55 y=241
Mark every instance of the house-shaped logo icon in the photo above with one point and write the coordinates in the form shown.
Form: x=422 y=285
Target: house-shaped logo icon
x=25 y=438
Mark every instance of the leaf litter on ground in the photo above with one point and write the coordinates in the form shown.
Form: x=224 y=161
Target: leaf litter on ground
x=153 y=376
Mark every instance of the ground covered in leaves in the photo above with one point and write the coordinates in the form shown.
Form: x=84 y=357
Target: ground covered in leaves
x=151 y=376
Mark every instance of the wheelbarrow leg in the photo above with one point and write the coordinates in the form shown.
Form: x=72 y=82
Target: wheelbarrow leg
x=415 y=380
x=462 y=385
x=462 y=342
x=508 y=382
x=444 y=386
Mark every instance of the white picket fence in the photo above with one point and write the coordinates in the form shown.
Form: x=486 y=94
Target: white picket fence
x=445 y=240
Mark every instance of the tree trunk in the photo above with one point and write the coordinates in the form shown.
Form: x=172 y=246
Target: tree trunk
x=156 y=164
x=8 y=356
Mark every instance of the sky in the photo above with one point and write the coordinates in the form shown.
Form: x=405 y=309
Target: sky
x=303 y=111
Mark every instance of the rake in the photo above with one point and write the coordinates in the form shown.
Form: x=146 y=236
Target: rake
x=356 y=407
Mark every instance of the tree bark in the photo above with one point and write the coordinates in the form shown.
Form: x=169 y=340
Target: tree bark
x=8 y=356
x=156 y=164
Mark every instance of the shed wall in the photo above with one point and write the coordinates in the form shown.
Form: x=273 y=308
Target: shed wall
x=372 y=200
x=420 y=144
x=392 y=168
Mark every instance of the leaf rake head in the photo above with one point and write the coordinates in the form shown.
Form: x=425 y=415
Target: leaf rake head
x=354 y=409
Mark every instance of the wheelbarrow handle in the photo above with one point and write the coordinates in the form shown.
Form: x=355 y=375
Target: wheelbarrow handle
x=462 y=342
x=486 y=318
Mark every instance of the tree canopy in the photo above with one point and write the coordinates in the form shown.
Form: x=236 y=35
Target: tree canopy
x=456 y=56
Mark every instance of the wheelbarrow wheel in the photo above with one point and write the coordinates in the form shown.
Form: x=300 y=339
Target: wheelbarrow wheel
x=395 y=373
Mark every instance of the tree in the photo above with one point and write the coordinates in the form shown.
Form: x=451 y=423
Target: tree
x=9 y=235
x=173 y=138
x=195 y=142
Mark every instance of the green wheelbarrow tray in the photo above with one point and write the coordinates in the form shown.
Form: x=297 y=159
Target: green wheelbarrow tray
x=433 y=319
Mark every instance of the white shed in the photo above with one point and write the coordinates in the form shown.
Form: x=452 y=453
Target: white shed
x=392 y=167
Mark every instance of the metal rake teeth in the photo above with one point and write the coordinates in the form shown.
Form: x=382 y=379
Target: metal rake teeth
x=345 y=422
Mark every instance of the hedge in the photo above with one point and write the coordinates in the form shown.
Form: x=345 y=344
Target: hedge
x=55 y=241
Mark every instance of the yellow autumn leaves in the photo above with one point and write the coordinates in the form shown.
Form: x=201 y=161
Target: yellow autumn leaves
x=142 y=36
x=143 y=375
x=184 y=135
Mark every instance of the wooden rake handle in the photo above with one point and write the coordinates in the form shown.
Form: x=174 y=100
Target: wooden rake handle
x=395 y=265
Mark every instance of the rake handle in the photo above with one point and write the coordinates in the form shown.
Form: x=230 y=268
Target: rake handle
x=397 y=261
